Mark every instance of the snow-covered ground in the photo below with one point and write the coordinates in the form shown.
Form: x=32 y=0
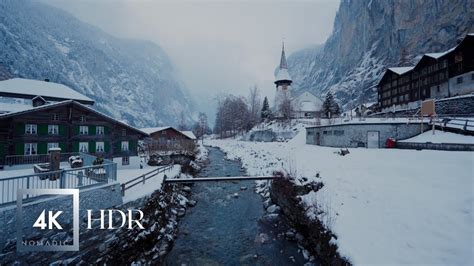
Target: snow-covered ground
x=441 y=137
x=386 y=206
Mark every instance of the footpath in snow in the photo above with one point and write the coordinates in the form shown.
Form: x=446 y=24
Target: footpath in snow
x=386 y=206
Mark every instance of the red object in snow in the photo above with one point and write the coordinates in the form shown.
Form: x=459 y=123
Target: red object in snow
x=390 y=143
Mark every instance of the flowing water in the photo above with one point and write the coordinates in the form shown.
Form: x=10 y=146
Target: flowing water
x=223 y=229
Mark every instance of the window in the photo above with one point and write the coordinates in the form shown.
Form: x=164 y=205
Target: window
x=55 y=117
x=338 y=132
x=124 y=132
x=52 y=145
x=124 y=145
x=53 y=129
x=30 y=148
x=83 y=130
x=83 y=118
x=459 y=80
x=83 y=146
x=30 y=129
x=99 y=146
x=125 y=160
x=99 y=130
x=437 y=88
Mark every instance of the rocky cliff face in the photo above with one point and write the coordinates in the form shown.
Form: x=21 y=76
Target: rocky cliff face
x=369 y=36
x=131 y=80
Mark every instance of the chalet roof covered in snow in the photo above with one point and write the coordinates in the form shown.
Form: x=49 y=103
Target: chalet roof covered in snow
x=29 y=89
x=151 y=130
x=401 y=70
x=189 y=134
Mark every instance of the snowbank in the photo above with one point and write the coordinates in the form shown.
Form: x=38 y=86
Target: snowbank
x=441 y=137
x=387 y=205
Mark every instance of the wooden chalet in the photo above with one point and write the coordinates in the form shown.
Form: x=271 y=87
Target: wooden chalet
x=67 y=124
x=169 y=139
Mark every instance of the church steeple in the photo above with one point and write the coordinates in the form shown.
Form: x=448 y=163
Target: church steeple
x=282 y=76
x=283 y=63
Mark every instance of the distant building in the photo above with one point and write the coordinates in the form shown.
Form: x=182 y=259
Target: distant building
x=303 y=105
x=169 y=138
x=306 y=105
x=58 y=116
x=435 y=76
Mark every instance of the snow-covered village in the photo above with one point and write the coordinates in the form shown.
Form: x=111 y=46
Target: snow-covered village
x=322 y=132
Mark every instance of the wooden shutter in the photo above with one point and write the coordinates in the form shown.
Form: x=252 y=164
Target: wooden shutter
x=62 y=130
x=62 y=145
x=92 y=131
x=106 y=146
x=91 y=146
x=42 y=148
x=20 y=148
x=42 y=129
x=75 y=146
x=20 y=129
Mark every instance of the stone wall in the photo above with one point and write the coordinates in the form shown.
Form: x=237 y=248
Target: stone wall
x=355 y=135
x=435 y=146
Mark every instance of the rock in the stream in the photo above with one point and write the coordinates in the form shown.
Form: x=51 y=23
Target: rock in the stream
x=273 y=209
x=290 y=235
x=181 y=212
x=186 y=189
x=235 y=195
x=243 y=188
x=192 y=203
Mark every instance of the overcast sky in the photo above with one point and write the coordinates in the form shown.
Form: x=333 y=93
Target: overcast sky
x=217 y=46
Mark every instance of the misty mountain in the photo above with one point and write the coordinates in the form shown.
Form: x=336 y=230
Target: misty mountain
x=369 y=36
x=131 y=80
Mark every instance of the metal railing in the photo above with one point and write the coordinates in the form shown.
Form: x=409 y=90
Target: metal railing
x=65 y=178
x=142 y=179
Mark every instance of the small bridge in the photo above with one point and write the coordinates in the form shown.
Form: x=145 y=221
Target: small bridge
x=218 y=178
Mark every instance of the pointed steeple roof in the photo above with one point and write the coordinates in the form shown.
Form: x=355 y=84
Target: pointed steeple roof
x=282 y=71
x=283 y=63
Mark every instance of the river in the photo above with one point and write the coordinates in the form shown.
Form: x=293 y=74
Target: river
x=225 y=228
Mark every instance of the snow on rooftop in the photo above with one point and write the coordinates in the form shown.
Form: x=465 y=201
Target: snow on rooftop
x=150 y=130
x=282 y=74
x=13 y=107
x=41 y=88
x=189 y=134
x=401 y=70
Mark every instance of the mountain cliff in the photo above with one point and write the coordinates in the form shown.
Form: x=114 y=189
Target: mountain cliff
x=369 y=36
x=131 y=80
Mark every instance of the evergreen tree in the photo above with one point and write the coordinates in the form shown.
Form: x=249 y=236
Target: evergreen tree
x=330 y=107
x=266 y=113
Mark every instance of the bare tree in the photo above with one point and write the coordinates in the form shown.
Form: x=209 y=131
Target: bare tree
x=254 y=102
x=232 y=116
x=182 y=122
